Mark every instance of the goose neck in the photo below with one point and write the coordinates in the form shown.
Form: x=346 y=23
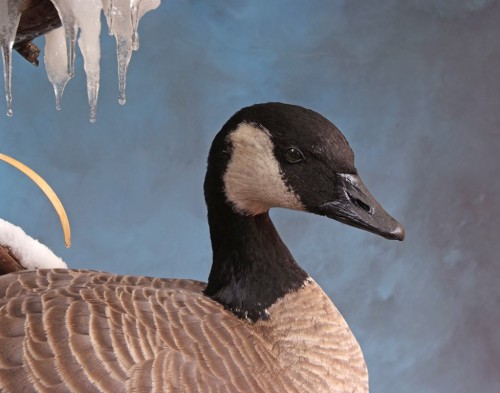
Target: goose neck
x=252 y=268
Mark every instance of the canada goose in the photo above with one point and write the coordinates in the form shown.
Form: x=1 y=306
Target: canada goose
x=261 y=324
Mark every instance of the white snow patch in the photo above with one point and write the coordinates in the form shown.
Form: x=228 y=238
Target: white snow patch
x=30 y=252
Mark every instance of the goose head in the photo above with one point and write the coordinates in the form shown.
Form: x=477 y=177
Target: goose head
x=277 y=155
x=281 y=155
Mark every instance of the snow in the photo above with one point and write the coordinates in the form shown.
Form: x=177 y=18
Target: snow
x=30 y=252
x=80 y=19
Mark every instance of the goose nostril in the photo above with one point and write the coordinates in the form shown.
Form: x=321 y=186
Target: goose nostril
x=359 y=203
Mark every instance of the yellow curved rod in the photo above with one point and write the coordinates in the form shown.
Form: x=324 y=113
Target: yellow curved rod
x=48 y=191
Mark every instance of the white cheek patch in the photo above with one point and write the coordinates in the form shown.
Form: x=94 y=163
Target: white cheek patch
x=253 y=180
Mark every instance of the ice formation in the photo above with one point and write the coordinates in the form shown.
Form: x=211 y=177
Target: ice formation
x=30 y=252
x=10 y=14
x=56 y=62
x=80 y=18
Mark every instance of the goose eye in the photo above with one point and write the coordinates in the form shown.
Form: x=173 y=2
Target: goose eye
x=293 y=155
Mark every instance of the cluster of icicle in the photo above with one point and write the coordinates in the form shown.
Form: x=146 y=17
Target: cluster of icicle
x=82 y=19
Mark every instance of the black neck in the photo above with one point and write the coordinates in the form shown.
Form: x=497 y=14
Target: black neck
x=252 y=267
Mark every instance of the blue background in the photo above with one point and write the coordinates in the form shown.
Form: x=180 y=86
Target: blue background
x=413 y=84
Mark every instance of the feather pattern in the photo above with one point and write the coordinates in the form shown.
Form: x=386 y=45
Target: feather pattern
x=86 y=331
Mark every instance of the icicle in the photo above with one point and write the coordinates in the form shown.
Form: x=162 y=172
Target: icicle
x=107 y=6
x=88 y=15
x=123 y=18
x=68 y=20
x=124 y=53
x=121 y=28
x=56 y=62
x=83 y=16
x=134 y=15
x=78 y=16
x=9 y=20
x=138 y=8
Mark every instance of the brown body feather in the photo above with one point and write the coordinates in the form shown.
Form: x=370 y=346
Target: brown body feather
x=84 y=331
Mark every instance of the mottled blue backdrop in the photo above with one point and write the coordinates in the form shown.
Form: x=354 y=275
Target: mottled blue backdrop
x=413 y=84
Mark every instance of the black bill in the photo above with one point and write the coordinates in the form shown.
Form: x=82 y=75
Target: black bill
x=355 y=206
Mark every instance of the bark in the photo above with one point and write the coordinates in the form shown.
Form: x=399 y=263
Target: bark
x=8 y=262
x=38 y=17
